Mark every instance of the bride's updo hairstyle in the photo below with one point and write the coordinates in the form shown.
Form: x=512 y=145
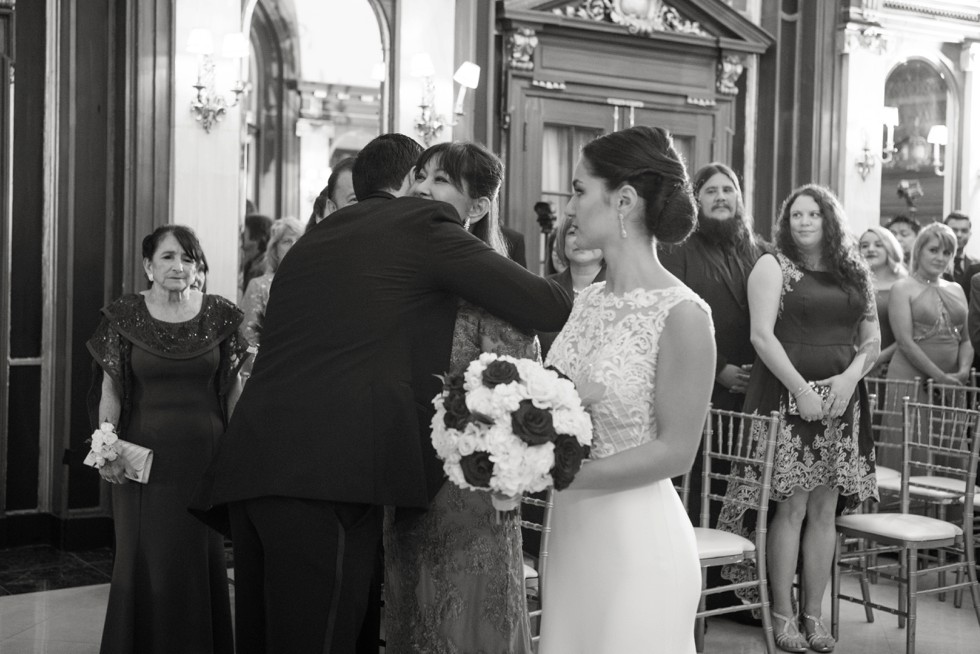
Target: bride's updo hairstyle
x=644 y=157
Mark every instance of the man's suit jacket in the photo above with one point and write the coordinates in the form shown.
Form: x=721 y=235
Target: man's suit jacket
x=970 y=267
x=704 y=268
x=358 y=326
x=515 y=244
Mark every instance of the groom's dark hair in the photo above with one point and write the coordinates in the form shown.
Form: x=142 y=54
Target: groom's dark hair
x=382 y=164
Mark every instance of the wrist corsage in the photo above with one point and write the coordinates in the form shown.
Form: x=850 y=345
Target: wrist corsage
x=105 y=446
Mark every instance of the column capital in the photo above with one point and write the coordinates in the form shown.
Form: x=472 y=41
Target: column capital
x=856 y=37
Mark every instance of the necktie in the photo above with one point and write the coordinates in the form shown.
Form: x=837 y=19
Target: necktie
x=958 y=267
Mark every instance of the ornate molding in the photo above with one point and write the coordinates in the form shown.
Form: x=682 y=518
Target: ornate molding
x=871 y=39
x=644 y=17
x=520 y=48
x=970 y=56
x=947 y=11
x=729 y=70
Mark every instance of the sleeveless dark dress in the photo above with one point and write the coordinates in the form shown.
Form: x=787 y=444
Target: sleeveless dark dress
x=817 y=325
x=169 y=589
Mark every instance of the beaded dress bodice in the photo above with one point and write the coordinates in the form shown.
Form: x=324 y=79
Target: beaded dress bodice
x=614 y=340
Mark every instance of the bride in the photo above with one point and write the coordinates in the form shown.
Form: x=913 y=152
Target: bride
x=623 y=573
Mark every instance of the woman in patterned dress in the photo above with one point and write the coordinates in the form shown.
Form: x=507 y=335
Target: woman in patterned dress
x=284 y=233
x=454 y=574
x=623 y=573
x=815 y=330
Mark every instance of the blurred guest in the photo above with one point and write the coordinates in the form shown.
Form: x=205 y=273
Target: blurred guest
x=337 y=194
x=200 y=282
x=882 y=251
x=254 y=239
x=285 y=232
x=582 y=266
x=168 y=380
x=963 y=265
x=905 y=230
x=815 y=329
x=515 y=245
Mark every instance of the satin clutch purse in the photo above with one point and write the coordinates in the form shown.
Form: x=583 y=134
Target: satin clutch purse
x=136 y=459
x=793 y=410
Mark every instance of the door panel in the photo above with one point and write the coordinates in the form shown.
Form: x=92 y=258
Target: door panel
x=693 y=133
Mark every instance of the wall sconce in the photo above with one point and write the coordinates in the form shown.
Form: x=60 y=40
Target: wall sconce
x=867 y=161
x=890 y=119
x=209 y=106
x=938 y=136
x=468 y=77
x=429 y=123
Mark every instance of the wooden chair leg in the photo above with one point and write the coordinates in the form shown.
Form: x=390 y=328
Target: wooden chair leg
x=903 y=575
x=699 y=623
x=866 y=590
x=835 y=588
x=971 y=572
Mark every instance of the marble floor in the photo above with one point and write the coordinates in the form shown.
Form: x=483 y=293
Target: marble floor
x=54 y=602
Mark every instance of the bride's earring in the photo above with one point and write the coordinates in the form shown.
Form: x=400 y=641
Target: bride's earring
x=466 y=224
x=622 y=226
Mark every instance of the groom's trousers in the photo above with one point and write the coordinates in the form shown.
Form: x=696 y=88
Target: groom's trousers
x=302 y=573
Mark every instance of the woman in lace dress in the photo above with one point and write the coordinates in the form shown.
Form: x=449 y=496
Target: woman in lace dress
x=623 y=572
x=454 y=574
x=167 y=360
x=815 y=330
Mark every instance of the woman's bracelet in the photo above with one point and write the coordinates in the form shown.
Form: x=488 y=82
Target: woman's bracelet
x=803 y=390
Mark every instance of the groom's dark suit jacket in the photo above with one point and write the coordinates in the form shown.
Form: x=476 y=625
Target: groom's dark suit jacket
x=359 y=323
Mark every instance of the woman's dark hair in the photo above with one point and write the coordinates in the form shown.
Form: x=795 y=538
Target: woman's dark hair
x=902 y=219
x=259 y=228
x=840 y=251
x=185 y=237
x=644 y=157
x=320 y=204
x=482 y=172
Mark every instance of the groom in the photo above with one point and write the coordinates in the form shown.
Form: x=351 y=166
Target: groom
x=334 y=421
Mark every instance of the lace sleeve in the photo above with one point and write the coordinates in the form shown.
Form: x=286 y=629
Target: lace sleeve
x=501 y=337
x=106 y=347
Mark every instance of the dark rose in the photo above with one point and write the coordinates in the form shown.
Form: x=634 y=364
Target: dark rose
x=457 y=415
x=500 y=372
x=532 y=425
x=568 y=460
x=558 y=372
x=477 y=469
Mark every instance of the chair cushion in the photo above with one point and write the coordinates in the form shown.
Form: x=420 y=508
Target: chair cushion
x=956 y=486
x=901 y=526
x=881 y=472
x=713 y=543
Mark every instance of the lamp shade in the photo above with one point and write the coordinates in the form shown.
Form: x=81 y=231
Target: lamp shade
x=234 y=46
x=890 y=116
x=938 y=135
x=468 y=75
x=199 y=42
x=422 y=65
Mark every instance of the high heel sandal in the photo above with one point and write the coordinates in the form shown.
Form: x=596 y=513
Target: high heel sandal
x=788 y=638
x=819 y=637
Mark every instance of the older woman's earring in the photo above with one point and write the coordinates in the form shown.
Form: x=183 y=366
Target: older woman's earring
x=622 y=226
x=149 y=277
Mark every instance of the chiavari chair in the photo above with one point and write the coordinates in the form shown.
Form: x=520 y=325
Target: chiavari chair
x=534 y=571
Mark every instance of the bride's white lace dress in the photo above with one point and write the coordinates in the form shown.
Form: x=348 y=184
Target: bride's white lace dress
x=622 y=575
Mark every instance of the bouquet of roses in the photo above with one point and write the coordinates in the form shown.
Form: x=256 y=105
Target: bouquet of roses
x=510 y=426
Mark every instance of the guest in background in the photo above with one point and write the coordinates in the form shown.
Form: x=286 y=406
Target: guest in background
x=963 y=264
x=814 y=324
x=200 y=282
x=454 y=574
x=254 y=239
x=515 y=245
x=337 y=194
x=905 y=230
x=715 y=263
x=582 y=266
x=168 y=380
x=285 y=232
x=882 y=251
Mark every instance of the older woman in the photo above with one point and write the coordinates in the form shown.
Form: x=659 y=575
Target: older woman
x=168 y=359
x=337 y=194
x=884 y=255
x=285 y=232
x=815 y=330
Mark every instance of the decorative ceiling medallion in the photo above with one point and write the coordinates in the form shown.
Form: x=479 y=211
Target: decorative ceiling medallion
x=638 y=16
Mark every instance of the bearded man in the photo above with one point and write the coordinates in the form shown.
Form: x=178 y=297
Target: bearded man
x=715 y=263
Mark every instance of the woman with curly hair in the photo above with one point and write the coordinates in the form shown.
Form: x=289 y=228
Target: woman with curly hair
x=814 y=326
